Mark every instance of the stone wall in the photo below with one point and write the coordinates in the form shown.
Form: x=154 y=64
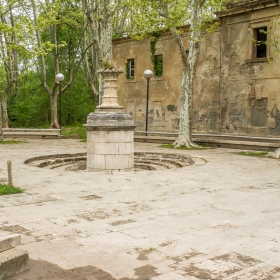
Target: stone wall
x=235 y=93
x=249 y=86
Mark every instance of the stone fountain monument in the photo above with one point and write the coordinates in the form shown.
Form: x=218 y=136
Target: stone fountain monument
x=110 y=131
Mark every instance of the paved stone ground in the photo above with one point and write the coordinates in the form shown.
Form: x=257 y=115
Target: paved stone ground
x=216 y=220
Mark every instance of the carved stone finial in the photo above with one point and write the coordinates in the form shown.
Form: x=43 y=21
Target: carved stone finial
x=110 y=97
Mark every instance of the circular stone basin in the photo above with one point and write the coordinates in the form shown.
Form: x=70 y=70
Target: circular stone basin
x=142 y=161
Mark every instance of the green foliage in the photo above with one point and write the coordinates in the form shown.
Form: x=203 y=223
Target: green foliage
x=105 y=64
x=109 y=64
x=252 y=154
x=127 y=70
x=118 y=36
x=183 y=147
x=273 y=38
x=212 y=28
x=5 y=189
x=74 y=131
x=29 y=105
x=156 y=60
x=153 y=40
x=147 y=15
x=8 y=142
x=158 y=66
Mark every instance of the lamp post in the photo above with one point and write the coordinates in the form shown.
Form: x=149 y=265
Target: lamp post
x=59 y=78
x=148 y=74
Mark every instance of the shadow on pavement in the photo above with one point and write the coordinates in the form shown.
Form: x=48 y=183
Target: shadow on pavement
x=43 y=270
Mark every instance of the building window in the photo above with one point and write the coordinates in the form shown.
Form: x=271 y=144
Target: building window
x=158 y=65
x=130 y=73
x=260 y=38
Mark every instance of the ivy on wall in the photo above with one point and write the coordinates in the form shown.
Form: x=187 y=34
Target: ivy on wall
x=156 y=59
x=127 y=70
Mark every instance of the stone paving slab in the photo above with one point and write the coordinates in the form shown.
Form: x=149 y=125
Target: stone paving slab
x=217 y=219
x=8 y=240
x=13 y=262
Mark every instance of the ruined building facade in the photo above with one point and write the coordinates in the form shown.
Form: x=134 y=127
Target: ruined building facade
x=237 y=89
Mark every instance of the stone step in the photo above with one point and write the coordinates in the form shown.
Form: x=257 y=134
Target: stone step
x=13 y=262
x=24 y=135
x=249 y=143
x=9 y=241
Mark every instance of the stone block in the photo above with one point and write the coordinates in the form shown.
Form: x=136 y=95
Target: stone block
x=13 y=262
x=93 y=136
x=90 y=148
x=116 y=162
x=131 y=161
x=116 y=136
x=95 y=161
x=104 y=148
x=8 y=241
x=110 y=141
x=103 y=136
x=126 y=148
x=107 y=119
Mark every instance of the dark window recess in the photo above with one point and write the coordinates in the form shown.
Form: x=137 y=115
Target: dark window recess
x=130 y=74
x=260 y=39
x=158 y=65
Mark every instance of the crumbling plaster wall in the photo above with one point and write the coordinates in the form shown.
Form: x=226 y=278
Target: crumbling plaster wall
x=233 y=93
x=249 y=87
x=164 y=97
x=206 y=97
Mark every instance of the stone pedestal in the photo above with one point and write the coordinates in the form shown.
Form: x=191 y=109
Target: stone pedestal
x=110 y=98
x=110 y=141
x=110 y=131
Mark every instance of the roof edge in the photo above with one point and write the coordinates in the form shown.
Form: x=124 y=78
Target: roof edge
x=245 y=6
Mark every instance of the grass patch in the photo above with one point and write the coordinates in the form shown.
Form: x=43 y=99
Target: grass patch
x=7 y=142
x=183 y=147
x=75 y=131
x=252 y=154
x=5 y=189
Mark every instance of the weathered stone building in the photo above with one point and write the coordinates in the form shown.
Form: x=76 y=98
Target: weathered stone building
x=236 y=90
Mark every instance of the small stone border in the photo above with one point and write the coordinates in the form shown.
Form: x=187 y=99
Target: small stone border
x=143 y=161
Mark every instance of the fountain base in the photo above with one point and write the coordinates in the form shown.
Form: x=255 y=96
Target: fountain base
x=110 y=141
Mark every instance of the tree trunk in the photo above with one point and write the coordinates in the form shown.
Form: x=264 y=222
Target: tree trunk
x=54 y=120
x=52 y=93
x=93 y=24
x=91 y=75
x=189 y=68
x=5 y=118
x=106 y=31
x=105 y=45
x=9 y=58
x=185 y=125
x=1 y=131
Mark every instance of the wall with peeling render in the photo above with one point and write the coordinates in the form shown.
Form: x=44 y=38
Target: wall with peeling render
x=234 y=93
x=249 y=88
